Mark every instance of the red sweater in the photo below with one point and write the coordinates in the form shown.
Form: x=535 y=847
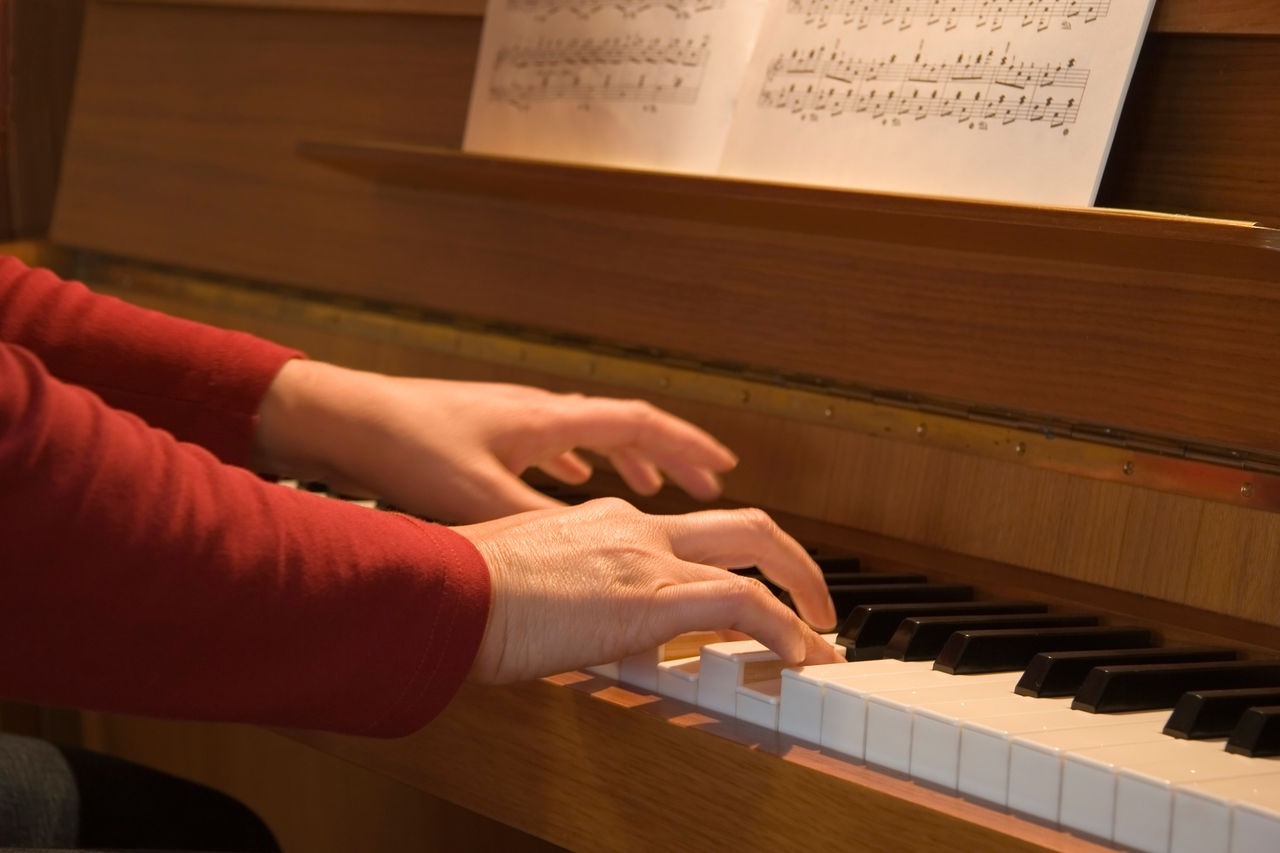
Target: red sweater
x=143 y=573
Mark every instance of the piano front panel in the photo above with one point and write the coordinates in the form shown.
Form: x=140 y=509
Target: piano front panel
x=1193 y=566
x=1016 y=317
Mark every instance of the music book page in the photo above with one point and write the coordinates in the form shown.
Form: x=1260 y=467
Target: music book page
x=1010 y=101
x=633 y=83
x=1005 y=100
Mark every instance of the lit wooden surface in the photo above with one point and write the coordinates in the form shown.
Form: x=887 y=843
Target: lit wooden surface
x=1021 y=327
x=1199 y=571
x=591 y=766
x=1254 y=17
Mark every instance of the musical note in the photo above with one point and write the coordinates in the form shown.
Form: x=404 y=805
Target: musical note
x=623 y=68
x=545 y=9
x=982 y=85
x=993 y=15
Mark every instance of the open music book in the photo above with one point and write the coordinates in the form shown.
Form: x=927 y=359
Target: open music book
x=1009 y=100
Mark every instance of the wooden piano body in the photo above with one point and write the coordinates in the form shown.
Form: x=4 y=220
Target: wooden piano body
x=1077 y=406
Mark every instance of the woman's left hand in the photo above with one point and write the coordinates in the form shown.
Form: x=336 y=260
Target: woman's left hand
x=455 y=450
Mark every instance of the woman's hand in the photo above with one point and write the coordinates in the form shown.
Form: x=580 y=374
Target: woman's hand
x=579 y=586
x=455 y=450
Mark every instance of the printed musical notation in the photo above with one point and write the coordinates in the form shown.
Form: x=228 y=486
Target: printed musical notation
x=545 y=9
x=636 y=83
x=610 y=69
x=949 y=14
x=1015 y=100
x=979 y=87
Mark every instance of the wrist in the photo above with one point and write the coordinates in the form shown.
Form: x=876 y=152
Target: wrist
x=297 y=420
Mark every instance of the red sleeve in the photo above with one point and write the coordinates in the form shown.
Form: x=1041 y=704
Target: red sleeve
x=201 y=383
x=140 y=574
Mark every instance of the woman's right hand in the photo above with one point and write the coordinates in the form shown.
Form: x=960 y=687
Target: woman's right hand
x=579 y=586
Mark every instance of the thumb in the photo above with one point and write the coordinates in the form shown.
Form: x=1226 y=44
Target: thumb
x=496 y=493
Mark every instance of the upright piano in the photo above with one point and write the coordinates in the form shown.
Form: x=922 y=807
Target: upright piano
x=1075 y=407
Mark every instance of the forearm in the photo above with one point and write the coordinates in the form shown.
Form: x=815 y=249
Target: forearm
x=141 y=575
x=200 y=383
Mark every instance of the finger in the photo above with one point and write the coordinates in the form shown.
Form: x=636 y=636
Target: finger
x=606 y=425
x=700 y=482
x=568 y=467
x=748 y=537
x=741 y=604
x=496 y=492
x=638 y=473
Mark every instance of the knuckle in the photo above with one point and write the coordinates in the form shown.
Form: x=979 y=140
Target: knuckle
x=749 y=589
x=758 y=519
x=641 y=411
x=609 y=506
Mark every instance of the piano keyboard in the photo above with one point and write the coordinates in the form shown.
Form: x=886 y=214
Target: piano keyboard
x=995 y=701
x=1016 y=733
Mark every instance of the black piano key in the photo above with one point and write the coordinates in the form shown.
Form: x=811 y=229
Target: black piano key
x=1062 y=673
x=1257 y=735
x=871 y=626
x=848 y=596
x=969 y=652
x=1214 y=713
x=838 y=579
x=1145 y=687
x=830 y=564
x=850 y=578
x=922 y=637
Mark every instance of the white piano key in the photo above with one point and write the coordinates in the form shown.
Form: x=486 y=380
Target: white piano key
x=758 y=702
x=1145 y=791
x=725 y=666
x=1255 y=821
x=928 y=761
x=1089 y=783
x=728 y=665
x=678 y=679
x=985 y=743
x=800 y=715
x=1088 y=799
x=890 y=724
x=1204 y=811
x=605 y=670
x=641 y=670
x=1035 y=758
x=844 y=703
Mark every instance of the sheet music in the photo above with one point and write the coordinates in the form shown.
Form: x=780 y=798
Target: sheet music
x=637 y=83
x=993 y=99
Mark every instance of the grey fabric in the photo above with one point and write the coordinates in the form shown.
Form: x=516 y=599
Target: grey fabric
x=63 y=797
x=39 y=801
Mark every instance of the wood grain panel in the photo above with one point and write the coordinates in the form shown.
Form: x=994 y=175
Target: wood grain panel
x=1200 y=130
x=164 y=119
x=659 y=776
x=313 y=802
x=1035 y=533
